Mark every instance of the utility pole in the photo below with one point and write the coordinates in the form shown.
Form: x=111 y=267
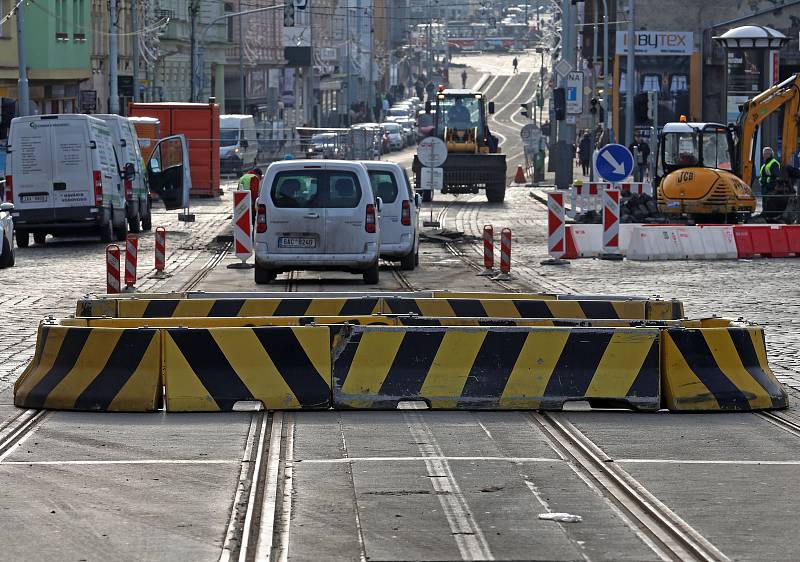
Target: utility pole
x=566 y=131
x=430 y=40
x=113 y=58
x=135 y=49
x=348 y=70
x=242 y=96
x=193 y=10
x=23 y=103
x=630 y=78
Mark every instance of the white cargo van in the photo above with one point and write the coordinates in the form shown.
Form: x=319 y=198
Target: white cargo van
x=126 y=143
x=238 y=143
x=62 y=176
x=316 y=215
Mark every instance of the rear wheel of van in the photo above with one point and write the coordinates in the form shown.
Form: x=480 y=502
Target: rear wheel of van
x=264 y=276
x=408 y=262
x=107 y=232
x=23 y=238
x=371 y=275
x=7 y=255
x=39 y=237
x=147 y=219
x=135 y=224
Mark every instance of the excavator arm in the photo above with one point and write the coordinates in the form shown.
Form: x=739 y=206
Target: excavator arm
x=756 y=110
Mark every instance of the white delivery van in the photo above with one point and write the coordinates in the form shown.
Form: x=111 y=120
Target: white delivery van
x=316 y=215
x=63 y=177
x=238 y=143
x=127 y=147
x=399 y=218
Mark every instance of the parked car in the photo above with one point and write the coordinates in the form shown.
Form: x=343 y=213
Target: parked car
x=6 y=235
x=395 y=134
x=323 y=145
x=398 y=112
x=238 y=143
x=317 y=215
x=400 y=206
x=409 y=130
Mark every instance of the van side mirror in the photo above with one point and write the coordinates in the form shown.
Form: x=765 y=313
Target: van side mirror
x=491 y=108
x=130 y=171
x=427 y=106
x=417 y=200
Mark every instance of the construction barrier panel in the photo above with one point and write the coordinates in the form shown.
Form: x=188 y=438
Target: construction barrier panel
x=212 y=369
x=110 y=370
x=718 y=369
x=496 y=368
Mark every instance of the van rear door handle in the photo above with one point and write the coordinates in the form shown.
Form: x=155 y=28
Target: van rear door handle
x=59 y=186
x=312 y=216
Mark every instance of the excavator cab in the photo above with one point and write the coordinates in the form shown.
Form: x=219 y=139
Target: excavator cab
x=695 y=172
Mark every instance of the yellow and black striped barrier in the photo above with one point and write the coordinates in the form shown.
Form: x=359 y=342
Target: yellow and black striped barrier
x=497 y=368
x=718 y=369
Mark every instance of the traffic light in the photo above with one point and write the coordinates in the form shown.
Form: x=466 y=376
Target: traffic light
x=546 y=129
x=288 y=14
x=560 y=103
x=640 y=108
x=593 y=105
x=524 y=111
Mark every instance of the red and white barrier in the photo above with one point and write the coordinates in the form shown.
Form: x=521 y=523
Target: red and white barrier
x=242 y=225
x=112 y=269
x=636 y=188
x=131 y=254
x=505 y=254
x=161 y=250
x=767 y=240
x=556 y=244
x=611 y=222
x=679 y=242
x=589 y=196
x=488 y=251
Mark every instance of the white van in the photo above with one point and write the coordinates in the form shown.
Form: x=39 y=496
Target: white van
x=126 y=143
x=238 y=143
x=316 y=215
x=399 y=218
x=63 y=176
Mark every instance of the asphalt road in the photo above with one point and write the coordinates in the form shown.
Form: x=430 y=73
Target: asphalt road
x=408 y=484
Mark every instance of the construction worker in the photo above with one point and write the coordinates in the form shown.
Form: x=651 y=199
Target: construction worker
x=770 y=171
x=251 y=181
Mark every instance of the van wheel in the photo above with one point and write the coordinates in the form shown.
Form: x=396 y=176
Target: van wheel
x=147 y=219
x=264 y=276
x=23 y=238
x=7 y=255
x=39 y=237
x=134 y=224
x=496 y=194
x=427 y=196
x=408 y=262
x=107 y=232
x=416 y=258
x=121 y=230
x=371 y=275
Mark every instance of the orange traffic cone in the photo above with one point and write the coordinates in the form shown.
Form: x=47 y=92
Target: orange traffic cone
x=520 y=176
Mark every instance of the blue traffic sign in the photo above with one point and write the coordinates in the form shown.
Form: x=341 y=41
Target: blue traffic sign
x=614 y=162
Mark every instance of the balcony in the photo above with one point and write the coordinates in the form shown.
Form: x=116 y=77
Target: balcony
x=268 y=56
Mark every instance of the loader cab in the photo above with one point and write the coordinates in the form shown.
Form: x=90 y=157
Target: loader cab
x=460 y=119
x=694 y=145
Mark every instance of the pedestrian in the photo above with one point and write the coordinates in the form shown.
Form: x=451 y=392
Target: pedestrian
x=641 y=151
x=419 y=86
x=429 y=89
x=251 y=180
x=464 y=79
x=384 y=107
x=585 y=152
x=515 y=62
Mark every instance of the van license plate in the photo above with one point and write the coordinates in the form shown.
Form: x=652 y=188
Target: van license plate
x=296 y=242
x=33 y=198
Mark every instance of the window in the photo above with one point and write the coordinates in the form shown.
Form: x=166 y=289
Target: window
x=5 y=28
x=229 y=10
x=384 y=186
x=228 y=137
x=292 y=190
x=343 y=191
x=716 y=149
x=680 y=149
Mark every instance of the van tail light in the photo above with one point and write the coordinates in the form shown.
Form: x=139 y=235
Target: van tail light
x=98 y=187
x=128 y=190
x=369 y=224
x=405 y=214
x=9 y=194
x=261 y=219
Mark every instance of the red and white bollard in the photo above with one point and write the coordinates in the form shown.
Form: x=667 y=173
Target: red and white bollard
x=611 y=225
x=131 y=253
x=488 y=251
x=556 y=230
x=505 y=255
x=242 y=227
x=161 y=252
x=112 y=269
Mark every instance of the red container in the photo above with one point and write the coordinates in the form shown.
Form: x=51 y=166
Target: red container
x=199 y=122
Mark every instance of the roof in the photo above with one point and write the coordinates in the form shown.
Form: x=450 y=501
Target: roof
x=459 y=92
x=752 y=36
x=686 y=127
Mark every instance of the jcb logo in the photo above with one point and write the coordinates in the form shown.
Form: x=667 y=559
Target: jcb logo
x=685 y=176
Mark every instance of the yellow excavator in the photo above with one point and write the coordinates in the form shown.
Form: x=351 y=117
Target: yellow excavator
x=703 y=170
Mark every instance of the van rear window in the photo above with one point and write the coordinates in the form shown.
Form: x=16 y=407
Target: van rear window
x=314 y=189
x=384 y=186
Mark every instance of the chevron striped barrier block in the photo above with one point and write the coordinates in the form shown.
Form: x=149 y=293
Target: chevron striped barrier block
x=496 y=368
x=108 y=370
x=718 y=369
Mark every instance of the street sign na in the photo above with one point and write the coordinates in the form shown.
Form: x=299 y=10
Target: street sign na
x=574 y=93
x=563 y=67
x=432 y=152
x=431 y=179
x=614 y=163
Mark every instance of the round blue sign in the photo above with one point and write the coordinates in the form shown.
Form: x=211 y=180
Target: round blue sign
x=614 y=162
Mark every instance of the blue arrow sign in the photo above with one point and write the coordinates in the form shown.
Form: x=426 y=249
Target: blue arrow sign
x=614 y=162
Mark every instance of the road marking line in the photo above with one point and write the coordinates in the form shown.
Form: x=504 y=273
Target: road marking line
x=426 y=458
x=140 y=461
x=701 y=461
x=486 y=431
x=468 y=535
